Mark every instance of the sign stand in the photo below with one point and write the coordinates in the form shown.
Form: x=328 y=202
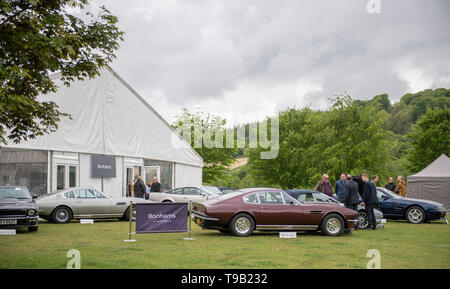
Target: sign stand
x=131 y=222
x=189 y=230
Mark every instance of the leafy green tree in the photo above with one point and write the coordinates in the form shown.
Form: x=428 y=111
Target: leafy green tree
x=348 y=138
x=37 y=39
x=206 y=134
x=412 y=106
x=430 y=138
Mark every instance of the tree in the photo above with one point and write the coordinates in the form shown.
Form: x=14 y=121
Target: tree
x=206 y=134
x=430 y=138
x=37 y=39
x=348 y=138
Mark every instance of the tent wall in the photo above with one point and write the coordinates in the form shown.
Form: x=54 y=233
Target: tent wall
x=186 y=175
x=109 y=117
x=430 y=188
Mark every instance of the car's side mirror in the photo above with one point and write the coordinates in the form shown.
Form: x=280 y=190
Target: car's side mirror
x=34 y=196
x=384 y=197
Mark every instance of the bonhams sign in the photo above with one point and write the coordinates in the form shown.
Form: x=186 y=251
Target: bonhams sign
x=103 y=166
x=161 y=217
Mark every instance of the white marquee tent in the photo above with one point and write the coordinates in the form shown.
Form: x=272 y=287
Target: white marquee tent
x=432 y=183
x=110 y=118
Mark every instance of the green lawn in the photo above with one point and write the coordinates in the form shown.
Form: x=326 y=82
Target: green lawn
x=101 y=245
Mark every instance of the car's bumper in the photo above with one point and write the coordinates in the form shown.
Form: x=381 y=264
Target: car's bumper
x=18 y=222
x=351 y=223
x=206 y=222
x=433 y=215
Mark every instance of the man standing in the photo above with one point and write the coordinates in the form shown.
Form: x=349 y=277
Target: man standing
x=370 y=199
x=324 y=186
x=139 y=188
x=339 y=188
x=156 y=187
x=391 y=185
x=351 y=198
x=400 y=188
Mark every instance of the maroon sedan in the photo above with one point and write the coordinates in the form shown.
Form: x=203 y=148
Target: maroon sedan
x=266 y=209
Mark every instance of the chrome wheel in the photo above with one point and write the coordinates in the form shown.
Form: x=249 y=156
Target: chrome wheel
x=415 y=215
x=333 y=225
x=62 y=215
x=242 y=225
x=363 y=221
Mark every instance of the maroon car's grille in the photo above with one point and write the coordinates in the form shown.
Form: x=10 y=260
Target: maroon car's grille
x=12 y=213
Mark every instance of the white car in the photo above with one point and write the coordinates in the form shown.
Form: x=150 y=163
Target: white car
x=186 y=194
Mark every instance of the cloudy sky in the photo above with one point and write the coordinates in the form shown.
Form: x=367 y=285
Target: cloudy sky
x=247 y=59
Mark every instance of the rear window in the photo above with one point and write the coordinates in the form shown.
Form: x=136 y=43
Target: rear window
x=69 y=195
x=251 y=199
x=228 y=196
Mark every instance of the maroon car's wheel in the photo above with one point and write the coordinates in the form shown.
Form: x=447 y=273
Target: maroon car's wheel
x=242 y=225
x=333 y=225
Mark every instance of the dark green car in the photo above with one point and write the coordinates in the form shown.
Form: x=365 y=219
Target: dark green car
x=18 y=209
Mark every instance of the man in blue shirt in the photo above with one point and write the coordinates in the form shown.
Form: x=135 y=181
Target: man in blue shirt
x=339 y=188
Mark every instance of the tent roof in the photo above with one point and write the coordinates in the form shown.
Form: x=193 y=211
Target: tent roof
x=439 y=168
x=110 y=117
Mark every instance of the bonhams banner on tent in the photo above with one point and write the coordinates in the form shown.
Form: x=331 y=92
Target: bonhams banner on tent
x=161 y=218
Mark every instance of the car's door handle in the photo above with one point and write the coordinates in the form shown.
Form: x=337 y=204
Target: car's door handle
x=315 y=212
x=263 y=207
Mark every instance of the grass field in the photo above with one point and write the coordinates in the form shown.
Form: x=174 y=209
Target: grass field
x=101 y=245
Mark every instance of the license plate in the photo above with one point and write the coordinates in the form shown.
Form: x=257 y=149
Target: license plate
x=8 y=222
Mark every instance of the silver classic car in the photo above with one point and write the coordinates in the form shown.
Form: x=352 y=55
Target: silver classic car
x=84 y=202
x=186 y=194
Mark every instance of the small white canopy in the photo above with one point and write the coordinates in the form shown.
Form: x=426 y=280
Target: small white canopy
x=432 y=183
x=109 y=117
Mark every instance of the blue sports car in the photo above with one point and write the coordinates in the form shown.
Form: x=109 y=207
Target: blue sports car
x=415 y=211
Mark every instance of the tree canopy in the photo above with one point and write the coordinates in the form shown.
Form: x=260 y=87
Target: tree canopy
x=206 y=134
x=430 y=137
x=37 y=39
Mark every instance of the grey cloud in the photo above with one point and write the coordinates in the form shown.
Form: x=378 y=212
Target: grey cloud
x=200 y=52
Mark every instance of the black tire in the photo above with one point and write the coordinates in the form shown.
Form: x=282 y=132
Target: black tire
x=415 y=215
x=242 y=225
x=333 y=225
x=33 y=229
x=61 y=215
x=126 y=215
x=166 y=201
x=362 y=224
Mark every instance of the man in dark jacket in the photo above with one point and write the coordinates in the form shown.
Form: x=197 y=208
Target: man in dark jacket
x=324 y=186
x=139 y=188
x=156 y=186
x=351 y=198
x=391 y=185
x=370 y=199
